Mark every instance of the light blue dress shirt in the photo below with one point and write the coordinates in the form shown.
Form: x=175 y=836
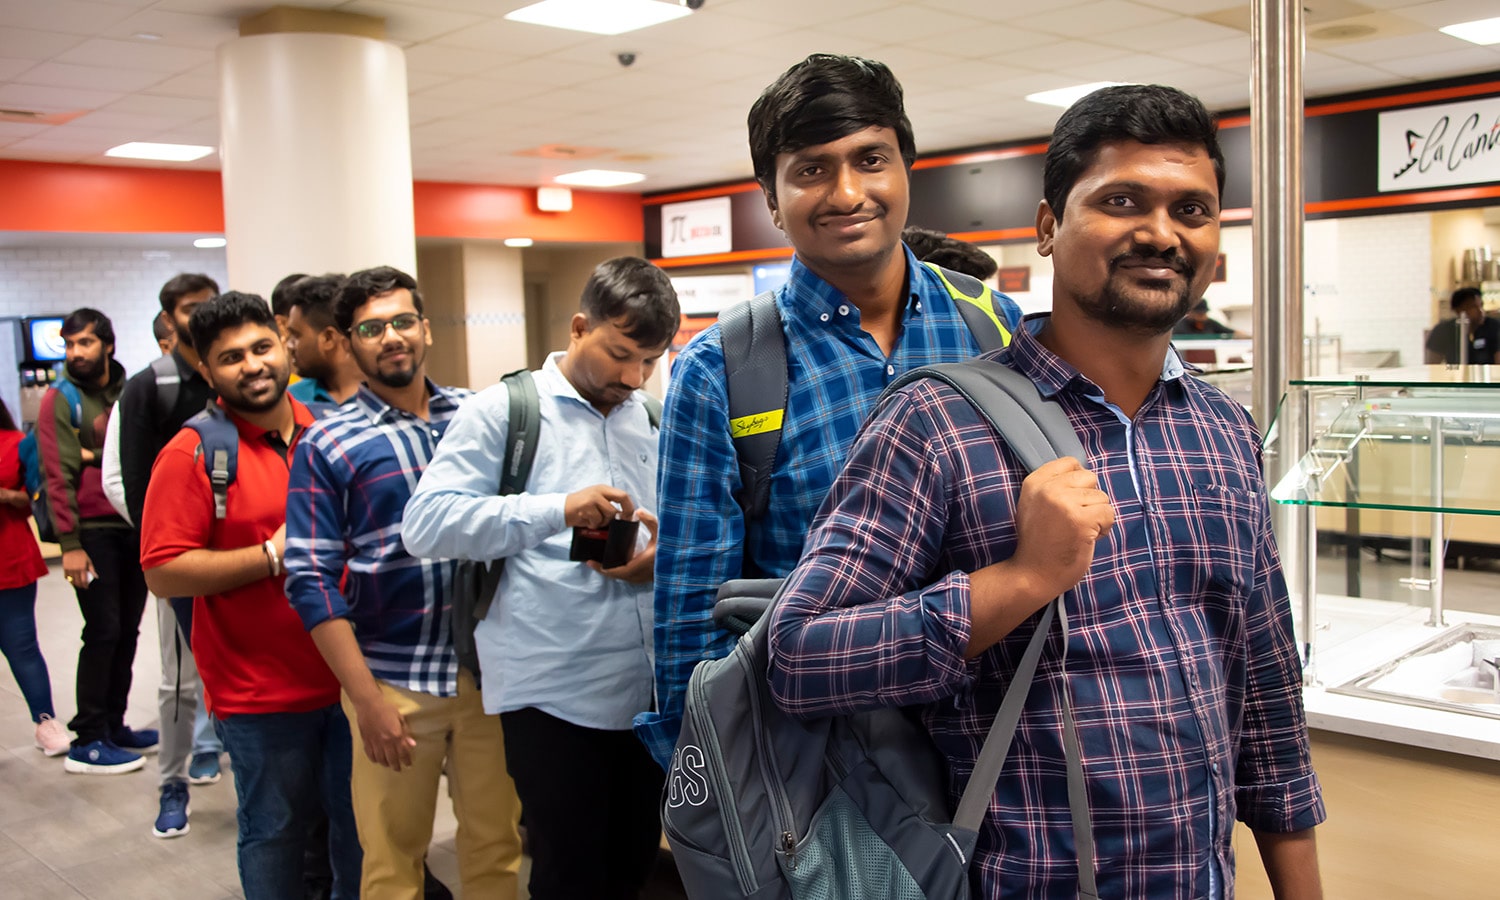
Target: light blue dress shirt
x=559 y=636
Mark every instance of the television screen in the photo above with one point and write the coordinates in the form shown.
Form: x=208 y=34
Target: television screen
x=44 y=341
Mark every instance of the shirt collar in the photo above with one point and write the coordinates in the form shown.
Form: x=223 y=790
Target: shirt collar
x=378 y=411
x=555 y=383
x=816 y=302
x=249 y=431
x=1053 y=374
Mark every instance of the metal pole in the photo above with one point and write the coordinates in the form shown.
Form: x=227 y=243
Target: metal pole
x=1276 y=30
x=1435 y=552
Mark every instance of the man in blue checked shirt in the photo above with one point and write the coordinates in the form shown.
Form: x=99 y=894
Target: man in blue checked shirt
x=565 y=649
x=928 y=565
x=380 y=616
x=832 y=149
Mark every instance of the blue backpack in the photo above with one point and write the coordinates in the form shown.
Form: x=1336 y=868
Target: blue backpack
x=31 y=463
x=219 y=448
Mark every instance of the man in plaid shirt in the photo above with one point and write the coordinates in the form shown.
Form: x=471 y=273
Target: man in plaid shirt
x=934 y=552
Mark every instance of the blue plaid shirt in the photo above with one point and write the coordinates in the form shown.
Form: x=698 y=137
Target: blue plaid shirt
x=352 y=474
x=1184 y=676
x=836 y=371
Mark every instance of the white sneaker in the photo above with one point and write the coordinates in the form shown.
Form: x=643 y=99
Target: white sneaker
x=51 y=737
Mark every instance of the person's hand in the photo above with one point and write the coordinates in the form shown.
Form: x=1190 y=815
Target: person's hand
x=639 y=569
x=78 y=569
x=87 y=455
x=388 y=741
x=17 y=499
x=595 y=507
x=1060 y=516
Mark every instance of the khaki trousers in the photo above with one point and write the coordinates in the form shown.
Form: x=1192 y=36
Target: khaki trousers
x=394 y=810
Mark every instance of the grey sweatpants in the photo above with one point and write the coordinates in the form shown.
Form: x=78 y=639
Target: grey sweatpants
x=182 y=719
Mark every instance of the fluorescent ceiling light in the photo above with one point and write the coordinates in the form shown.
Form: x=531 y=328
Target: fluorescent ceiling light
x=599 y=16
x=1481 y=31
x=162 y=152
x=599 y=178
x=1066 y=97
x=518 y=242
x=209 y=243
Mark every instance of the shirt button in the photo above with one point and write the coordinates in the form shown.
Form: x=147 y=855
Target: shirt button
x=1216 y=768
x=823 y=318
x=919 y=306
x=890 y=370
x=843 y=310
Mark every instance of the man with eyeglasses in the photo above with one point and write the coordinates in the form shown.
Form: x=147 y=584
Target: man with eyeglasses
x=384 y=628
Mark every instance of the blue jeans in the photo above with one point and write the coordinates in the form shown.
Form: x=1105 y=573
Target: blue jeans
x=287 y=765
x=18 y=642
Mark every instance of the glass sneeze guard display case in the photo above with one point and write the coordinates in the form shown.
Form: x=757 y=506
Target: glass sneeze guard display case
x=1409 y=454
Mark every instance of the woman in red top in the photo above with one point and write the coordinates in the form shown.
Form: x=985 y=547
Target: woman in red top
x=20 y=566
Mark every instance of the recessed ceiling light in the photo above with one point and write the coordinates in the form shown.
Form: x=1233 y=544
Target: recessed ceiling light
x=162 y=152
x=518 y=242
x=599 y=178
x=209 y=243
x=599 y=16
x=1066 y=97
x=1480 y=31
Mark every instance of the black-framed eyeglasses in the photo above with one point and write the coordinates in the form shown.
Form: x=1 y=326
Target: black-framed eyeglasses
x=374 y=329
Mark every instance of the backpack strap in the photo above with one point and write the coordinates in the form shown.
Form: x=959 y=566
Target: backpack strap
x=978 y=306
x=168 y=385
x=522 y=432
x=755 y=366
x=1037 y=431
x=653 y=411
x=219 y=448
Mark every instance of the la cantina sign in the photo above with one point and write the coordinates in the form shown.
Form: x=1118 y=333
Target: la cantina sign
x=1437 y=146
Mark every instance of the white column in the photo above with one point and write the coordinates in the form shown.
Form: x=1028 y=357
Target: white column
x=316 y=155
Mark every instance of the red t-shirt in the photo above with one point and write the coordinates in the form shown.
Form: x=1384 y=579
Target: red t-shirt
x=253 y=654
x=21 y=560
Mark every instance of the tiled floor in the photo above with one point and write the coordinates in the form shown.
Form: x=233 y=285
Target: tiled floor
x=72 y=836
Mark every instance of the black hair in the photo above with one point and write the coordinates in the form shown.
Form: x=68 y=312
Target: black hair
x=356 y=290
x=962 y=256
x=6 y=422
x=922 y=241
x=230 y=309
x=316 y=296
x=1145 y=113
x=182 y=285
x=162 y=326
x=83 y=317
x=821 y=99
x=281 y=301
x=637 y=296
x=1464 y=296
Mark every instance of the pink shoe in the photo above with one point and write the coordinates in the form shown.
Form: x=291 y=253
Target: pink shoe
x=52 y=737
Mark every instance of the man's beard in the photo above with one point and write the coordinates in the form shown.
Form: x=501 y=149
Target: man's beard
x=1113 y=306
x=237 y=400
x=85 y=370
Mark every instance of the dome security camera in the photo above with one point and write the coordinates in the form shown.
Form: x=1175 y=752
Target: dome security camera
x=627 y=58
x=692 y=4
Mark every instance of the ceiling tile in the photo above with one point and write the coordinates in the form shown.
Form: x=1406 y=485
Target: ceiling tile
x=145 y=55
x=201 y=83
x=66 y=16
x=907 y=21
x=1052 y=57
x=984 y=42
x=404 y=22
x=171 y=107
x=1136 y=69
x=236 y=8
x=483 y=90
x=177 y=29
x=792 y=47
x=1460 y=62
x=1180 y=32
x=1234 y=50
x=1089 y=19
x=801 y=13
x=1200 y=7
x=545 y=70
x=49 y=99
x=11 y=68
x=14 y=131
x=997 y=11
x=1328 y=81
x=23 y=43
x=40 y=153
x=53 y=74
x=518 y=38
x=1449 y=12
x=445 y=60
x=1376 y=53
x=708 y=29
x=140 y=124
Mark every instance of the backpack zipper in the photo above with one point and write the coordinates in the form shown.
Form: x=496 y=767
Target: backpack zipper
x=781 y=806
x=739 y=855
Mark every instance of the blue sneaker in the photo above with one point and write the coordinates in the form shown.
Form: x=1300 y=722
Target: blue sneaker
x=101 y=758
x=142 y=741
x=172 y=821
x=204 y=769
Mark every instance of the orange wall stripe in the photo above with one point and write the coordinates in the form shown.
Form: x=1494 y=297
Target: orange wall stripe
x=41 y=196
x=1420 y=198
x=720 y=191
x=449 y=210
x=718 y=259
x=1002 y=234
x=53 y=197
x=979 y=156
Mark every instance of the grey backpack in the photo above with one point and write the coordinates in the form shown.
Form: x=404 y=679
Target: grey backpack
x=759 y=804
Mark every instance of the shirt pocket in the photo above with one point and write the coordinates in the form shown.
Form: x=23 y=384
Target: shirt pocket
x=1229 y=520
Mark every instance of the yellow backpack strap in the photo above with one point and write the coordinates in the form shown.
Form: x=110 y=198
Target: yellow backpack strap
x=976 y=304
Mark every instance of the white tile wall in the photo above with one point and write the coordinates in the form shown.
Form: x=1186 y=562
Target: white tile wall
x=123 y=283
x=1379 y=294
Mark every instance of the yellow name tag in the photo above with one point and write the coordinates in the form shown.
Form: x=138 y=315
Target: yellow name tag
x=758 y=423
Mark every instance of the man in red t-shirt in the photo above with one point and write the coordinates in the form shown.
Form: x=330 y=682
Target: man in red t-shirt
x=276 y=702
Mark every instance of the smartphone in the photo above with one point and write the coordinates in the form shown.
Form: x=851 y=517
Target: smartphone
x=610 y=546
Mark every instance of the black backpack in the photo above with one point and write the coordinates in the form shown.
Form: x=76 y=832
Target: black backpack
x=475 y=582
x=759 y=804
x=755 y=365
